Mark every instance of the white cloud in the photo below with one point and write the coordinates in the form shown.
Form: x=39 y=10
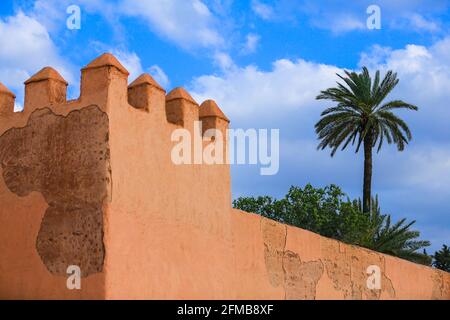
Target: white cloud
x=262 y=10
x=223 y=61
x=192 y=25
x=415 y=22
x=160 y=76
x=252 y=41
x=188 y=23
x=418 y=22
x=49 y=13
x=248 y=91
x=291 y=86
x=25 y=48
x=376 y=56
x=249 y=95
x=424 y=73
x=346 y=23
x=337 y=17
x=339 y=23
x=431 y=167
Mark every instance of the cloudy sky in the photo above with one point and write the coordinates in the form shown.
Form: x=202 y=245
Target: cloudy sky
x=264 y=62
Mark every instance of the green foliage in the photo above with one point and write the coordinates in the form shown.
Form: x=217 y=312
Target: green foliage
x=329 y=212
x=441 y=259
x=360 y=112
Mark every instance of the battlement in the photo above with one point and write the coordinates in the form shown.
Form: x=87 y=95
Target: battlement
x=143 y=91
x=104 y=81
x=212 y=117
x=181 y=108
x=7 y=99
x=46 y=87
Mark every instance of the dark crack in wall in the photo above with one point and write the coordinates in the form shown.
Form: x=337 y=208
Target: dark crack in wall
x=285 y=268
x=66 y=159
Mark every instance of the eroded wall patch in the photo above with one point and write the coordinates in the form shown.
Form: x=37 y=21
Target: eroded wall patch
x=301 y=277
x=441 y=288
x=66 y=159
x=285 y=268
x=346 y=266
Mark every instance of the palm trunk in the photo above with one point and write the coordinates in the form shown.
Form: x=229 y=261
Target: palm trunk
x=367 y=187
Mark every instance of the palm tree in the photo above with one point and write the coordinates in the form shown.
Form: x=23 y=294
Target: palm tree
x=360 y=117
x=396 y=239
x=442 y=259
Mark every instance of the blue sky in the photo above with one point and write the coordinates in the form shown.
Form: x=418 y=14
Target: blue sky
x=264 y=62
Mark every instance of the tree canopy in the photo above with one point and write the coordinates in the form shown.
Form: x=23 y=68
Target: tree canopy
x=329 y=212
